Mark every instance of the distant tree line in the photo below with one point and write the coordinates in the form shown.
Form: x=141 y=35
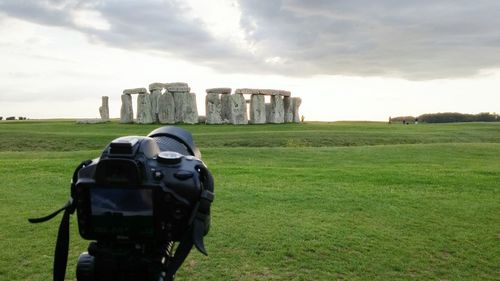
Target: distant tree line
x=449 y=117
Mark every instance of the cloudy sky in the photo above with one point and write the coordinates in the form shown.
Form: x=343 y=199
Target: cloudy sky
x=347 y=60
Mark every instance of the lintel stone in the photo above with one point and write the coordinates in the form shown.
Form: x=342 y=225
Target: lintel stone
x=156 y=86
x=135 y=91
x=219 y=91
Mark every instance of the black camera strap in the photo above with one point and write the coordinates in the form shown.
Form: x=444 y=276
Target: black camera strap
x=62 y=243
x=199 y=222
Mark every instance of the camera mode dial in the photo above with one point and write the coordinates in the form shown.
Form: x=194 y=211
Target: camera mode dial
x=169 y=157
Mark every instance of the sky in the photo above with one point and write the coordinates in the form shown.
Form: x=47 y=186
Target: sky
x=347 y=60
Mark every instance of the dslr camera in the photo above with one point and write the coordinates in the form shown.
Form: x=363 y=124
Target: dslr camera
x=145 y=202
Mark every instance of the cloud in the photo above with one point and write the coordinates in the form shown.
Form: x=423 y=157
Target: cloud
x=416 y=40
x=412 y=39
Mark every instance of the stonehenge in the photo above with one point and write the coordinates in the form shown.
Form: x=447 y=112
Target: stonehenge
x=171 y=103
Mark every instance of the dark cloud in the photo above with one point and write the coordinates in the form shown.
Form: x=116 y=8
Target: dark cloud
x=418 y=40
x=424 y=39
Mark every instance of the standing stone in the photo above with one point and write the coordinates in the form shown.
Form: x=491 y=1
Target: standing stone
x=225 y=101
x=166 y=108
x=277 y=114
x=1 y=117
x=287 y=105
x=185 y=107
x=126 y=111
x=238 y=109
x=154 y=97
x=104 y=109
x=179 y=102
x=296 y=102
x=268 y=112
x=190 y=109
x=155 y=89
x=257 y=109
x=213 y=108
x=144 y=115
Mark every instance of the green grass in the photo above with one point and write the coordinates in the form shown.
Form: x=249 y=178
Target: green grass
x=318 y=201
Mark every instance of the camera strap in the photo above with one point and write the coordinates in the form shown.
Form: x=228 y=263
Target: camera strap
x=199 y=222
x=62 y=243
x=201 y=219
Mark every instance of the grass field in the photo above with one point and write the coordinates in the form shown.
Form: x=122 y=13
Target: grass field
x=316 y=201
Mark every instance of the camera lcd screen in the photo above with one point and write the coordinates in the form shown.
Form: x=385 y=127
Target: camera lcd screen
x=126 y=212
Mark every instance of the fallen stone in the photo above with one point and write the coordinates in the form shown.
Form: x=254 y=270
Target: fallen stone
x=213 y=108
x=238 y=110
x=126 y=111
x=144 y=109
x=156 y=86
x=219 y=91
x=104 y=109
x=257 y=109
x=135 y=91
x=10 y=118
x=277 y=114
x=166 y=108
x=225 y=114
x=296 y=102
x=90 y=121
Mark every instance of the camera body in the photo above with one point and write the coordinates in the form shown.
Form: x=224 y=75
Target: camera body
x=142 y=195
x=136 y=192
